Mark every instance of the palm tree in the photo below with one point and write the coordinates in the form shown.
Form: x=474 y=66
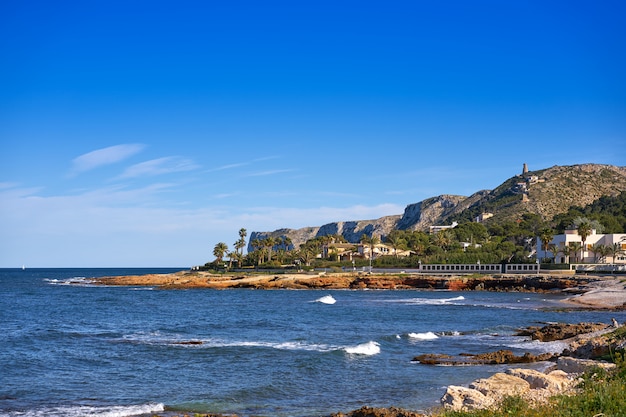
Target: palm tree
x=572 y=249
x=614 y=251
x=555 y=249
x=219 y=250
x=370 y=241
x=584 y=229
x=443 y=239
x=599 y=250
x=306 y=254
x=545 y=235
x=269 y=243
x=396 y=241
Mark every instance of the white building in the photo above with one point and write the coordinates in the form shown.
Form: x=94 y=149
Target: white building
x=435 y=229
x=563 y=244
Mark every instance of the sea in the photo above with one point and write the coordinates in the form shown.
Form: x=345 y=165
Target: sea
x=70 y=348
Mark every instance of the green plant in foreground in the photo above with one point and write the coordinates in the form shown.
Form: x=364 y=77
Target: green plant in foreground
x=601 y=394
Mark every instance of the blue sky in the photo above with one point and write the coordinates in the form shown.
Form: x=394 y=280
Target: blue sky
x=142 y=133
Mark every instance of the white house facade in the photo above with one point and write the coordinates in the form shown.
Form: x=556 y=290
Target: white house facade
x=561 y=248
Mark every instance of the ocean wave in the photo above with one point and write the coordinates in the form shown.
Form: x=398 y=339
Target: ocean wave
x=557 y=346
x=77 y=281
x=327 y=299
x=431 y=301
x=423 y=336
x=157 y=339
x=368 y=349
x=91 y=411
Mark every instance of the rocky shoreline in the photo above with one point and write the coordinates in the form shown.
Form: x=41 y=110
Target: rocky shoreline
x=587 y=343
x=586 y=292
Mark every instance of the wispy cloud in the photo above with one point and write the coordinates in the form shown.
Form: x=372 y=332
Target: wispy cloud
x=269 y=172
x=159 y=166
x=229 y=166
x=104 y=156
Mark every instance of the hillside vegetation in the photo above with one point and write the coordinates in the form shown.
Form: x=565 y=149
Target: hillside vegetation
x=543 y=193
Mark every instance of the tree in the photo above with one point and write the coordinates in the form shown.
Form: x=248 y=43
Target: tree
x=269 y=243
x=219 y=251
x=370 y=241
x=257 y=245
x=396 y=241
x=471 y=232
x=555 y=249
x=241 y=243
x=615 y=250
x=443 y=239
x=231 y=256
x=583 y=228
x=599 y=251
x=545 y=235
x=572 y=249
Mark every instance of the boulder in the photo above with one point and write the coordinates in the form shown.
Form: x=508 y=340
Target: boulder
x=465 y=399
x=579 y=366
x=555 y=381
x=501 y=385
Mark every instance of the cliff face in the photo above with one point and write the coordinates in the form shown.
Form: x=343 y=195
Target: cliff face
x=545 y=192
x=351 y=230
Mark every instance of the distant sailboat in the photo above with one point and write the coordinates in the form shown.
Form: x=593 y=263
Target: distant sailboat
x=23 y=267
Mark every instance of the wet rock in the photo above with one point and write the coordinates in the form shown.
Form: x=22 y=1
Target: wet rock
x=379 y=412
x=490 y=358
x=560 y=331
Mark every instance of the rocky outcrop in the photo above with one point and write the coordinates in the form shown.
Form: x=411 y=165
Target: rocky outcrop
x=560 y=331
x=532 y=385
x=490 y=358
x=435 y=210
x=379 y=412
x=350 y=230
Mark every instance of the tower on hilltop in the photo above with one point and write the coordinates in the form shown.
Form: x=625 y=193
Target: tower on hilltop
x=525 y=169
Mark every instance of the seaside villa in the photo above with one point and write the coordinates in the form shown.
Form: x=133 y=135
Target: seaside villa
x=350 y=251
x=598 y=248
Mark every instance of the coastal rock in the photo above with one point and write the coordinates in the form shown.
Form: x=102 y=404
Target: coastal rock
x=483 y=393
x=555 y=381
x=501 y=385
x=379 y=412
x=560 y=331
x=489 y=358
x=465 y=399
x=578 y=366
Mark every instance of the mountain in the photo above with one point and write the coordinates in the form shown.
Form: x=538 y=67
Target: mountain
x=545 y=192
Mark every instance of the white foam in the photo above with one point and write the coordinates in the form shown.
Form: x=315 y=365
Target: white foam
x=430 y=301
x=368 y=349
x=423 y=336
x=557 y=346
x=327 y=299
x=91 y=411
x=77 y=281
x=156 y=339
